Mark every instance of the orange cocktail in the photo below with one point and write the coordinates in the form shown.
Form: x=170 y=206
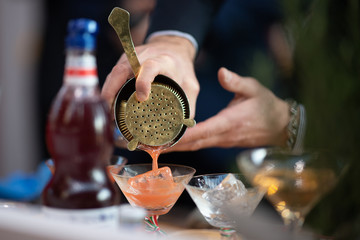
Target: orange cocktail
x=154 y=190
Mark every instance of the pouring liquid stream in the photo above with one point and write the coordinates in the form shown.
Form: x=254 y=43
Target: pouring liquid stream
x=154 y=152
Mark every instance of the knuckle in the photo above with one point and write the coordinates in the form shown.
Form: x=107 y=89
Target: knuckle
x=191 y=85
x=118 y=68
x=196 y=146
x=167 y=58
x=150 y=63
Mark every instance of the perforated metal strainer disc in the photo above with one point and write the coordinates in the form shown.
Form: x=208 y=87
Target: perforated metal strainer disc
x=160 y=120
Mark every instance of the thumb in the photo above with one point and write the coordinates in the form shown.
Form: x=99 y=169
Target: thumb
x=233 y=82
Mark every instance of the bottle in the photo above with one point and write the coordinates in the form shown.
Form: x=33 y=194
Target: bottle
x=79 y=137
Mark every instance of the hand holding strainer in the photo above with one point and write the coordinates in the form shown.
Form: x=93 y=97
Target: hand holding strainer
x=159 y=121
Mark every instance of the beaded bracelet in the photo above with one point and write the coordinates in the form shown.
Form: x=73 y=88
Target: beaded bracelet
x=293 y=123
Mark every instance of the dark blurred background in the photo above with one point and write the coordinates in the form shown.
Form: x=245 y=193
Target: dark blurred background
x=305 y=49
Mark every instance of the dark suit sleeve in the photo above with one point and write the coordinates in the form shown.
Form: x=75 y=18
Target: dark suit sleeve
x=189 y=16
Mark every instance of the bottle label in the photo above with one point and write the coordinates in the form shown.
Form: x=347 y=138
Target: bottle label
x=98 y=217
x=81 y=70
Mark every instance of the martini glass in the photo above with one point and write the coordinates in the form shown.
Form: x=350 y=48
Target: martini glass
x=156 y=193
x=215 y=194
x=294 y=182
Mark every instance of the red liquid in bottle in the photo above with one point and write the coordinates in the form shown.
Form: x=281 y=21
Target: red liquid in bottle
x=80 y=140
x=79 y=137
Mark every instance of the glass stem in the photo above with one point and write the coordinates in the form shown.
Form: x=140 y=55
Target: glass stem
x=294 y=224
x=152 y=225
x=228 y=234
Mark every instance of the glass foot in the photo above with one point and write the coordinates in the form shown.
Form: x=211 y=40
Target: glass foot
x=229 y=234
x=152 y=225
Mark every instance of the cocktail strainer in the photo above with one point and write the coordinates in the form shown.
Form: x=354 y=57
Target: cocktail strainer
x=159 y=121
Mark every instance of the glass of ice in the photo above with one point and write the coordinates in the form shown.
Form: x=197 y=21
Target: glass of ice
x=154 y=190
x=213 y=194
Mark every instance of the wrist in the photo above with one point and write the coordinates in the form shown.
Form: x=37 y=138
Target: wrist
x=182 y=44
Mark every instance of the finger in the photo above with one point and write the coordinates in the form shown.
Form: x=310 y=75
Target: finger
x=148 y=71
x=232 y=82
x=114 y=81
x=194 y=145
x=191 y=88
x=218 y=140
x=211 y=127
x=192 y=104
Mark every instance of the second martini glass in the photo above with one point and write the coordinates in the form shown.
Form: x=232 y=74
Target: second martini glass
x=294 y=182
x=156 y=191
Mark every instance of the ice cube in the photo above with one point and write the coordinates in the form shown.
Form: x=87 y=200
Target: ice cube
x=229 y=188
x=245 y=205
x=152 y=181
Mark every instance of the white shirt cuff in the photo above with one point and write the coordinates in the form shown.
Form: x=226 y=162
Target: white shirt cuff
x=175 y=33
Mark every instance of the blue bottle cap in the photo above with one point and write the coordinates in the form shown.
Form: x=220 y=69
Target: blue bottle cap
x=82 y=34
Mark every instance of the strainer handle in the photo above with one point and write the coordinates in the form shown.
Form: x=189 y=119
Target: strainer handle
x=119 y=20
